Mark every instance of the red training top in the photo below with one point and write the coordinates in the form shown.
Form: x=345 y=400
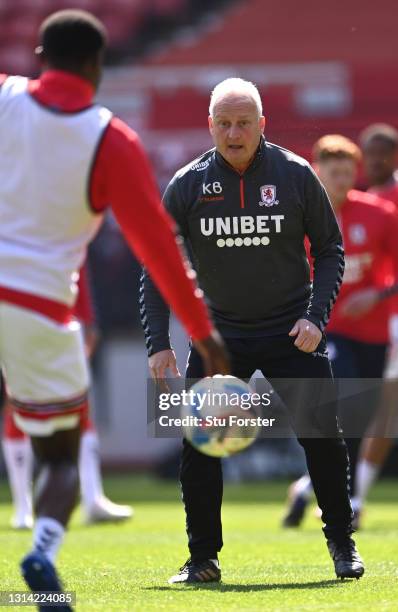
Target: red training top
x=370 y=228
x=388 y=192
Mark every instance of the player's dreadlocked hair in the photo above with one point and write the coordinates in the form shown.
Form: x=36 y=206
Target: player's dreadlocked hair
x=71 y=37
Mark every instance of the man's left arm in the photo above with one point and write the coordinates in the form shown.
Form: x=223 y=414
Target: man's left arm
x=326 y=250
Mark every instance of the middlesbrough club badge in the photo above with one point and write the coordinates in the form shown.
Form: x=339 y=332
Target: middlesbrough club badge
x=268 y=195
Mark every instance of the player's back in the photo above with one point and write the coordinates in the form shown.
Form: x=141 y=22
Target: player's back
x=46 y=157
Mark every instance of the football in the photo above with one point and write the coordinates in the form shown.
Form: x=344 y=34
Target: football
x=219 y=419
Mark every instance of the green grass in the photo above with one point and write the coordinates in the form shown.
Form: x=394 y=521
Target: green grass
x=125 y=567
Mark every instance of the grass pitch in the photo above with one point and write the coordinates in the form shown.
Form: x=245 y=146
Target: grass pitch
x=125 y=567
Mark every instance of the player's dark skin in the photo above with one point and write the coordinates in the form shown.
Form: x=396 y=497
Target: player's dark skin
x=90 y=70
x=380 y=159
x=57 y=486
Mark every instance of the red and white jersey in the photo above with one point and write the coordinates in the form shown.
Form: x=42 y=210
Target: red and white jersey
x=54 y=165
x=390 y=192
x=370 y=228
x=46 y=218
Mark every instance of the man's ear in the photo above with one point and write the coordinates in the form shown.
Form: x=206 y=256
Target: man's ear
x=210 y=122
x=40 y=55
x=42 y=58
x=263 y=123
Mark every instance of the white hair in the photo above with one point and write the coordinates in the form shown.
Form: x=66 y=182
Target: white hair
x=235 y=85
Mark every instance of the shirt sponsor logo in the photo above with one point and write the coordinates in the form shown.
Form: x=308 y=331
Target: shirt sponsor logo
x=200 y=166
x=268 y=195
x=239 y=230
x=357 y=234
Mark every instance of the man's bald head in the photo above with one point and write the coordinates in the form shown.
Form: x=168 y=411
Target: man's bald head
x=235 y=90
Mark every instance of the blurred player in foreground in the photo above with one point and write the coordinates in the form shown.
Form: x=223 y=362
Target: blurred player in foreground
x=379 y=143
x=18 y=453
x=63 y=160
x=358 y=332
x=245 y=208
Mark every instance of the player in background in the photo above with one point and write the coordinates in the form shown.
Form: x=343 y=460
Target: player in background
x=18 y=452
x=379 y=144
x=358 y=331
x=63 y=161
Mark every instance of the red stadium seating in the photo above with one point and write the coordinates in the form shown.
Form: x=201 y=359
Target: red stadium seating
x=356 y=44
x=319 y=69
x=166 y=7
x=287 y=30
x=17 y=59
x=20 y=20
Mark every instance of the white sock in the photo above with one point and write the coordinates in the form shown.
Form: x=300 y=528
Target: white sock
x=89 y=469
x=303 y=486
x=19 y=461
x=48 y=534
x=365 y=475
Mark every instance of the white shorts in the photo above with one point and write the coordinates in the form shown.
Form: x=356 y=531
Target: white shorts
x=45 y=370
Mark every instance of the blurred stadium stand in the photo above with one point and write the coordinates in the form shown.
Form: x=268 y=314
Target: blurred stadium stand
x=131 y=25
x=320 y=70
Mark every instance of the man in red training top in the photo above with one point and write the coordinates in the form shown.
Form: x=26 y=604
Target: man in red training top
x=379 y=144
x=358 y=334
x=63 y=160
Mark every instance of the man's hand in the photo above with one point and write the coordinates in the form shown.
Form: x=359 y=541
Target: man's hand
x=159 y=363
x=215 y=357
x=308 y=335
x=359 y=303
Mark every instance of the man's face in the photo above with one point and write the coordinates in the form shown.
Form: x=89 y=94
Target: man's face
x=236 y=129
x=338 y=177
x=380 y=161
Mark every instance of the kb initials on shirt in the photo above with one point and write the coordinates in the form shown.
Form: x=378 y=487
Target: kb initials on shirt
x=211 y=188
